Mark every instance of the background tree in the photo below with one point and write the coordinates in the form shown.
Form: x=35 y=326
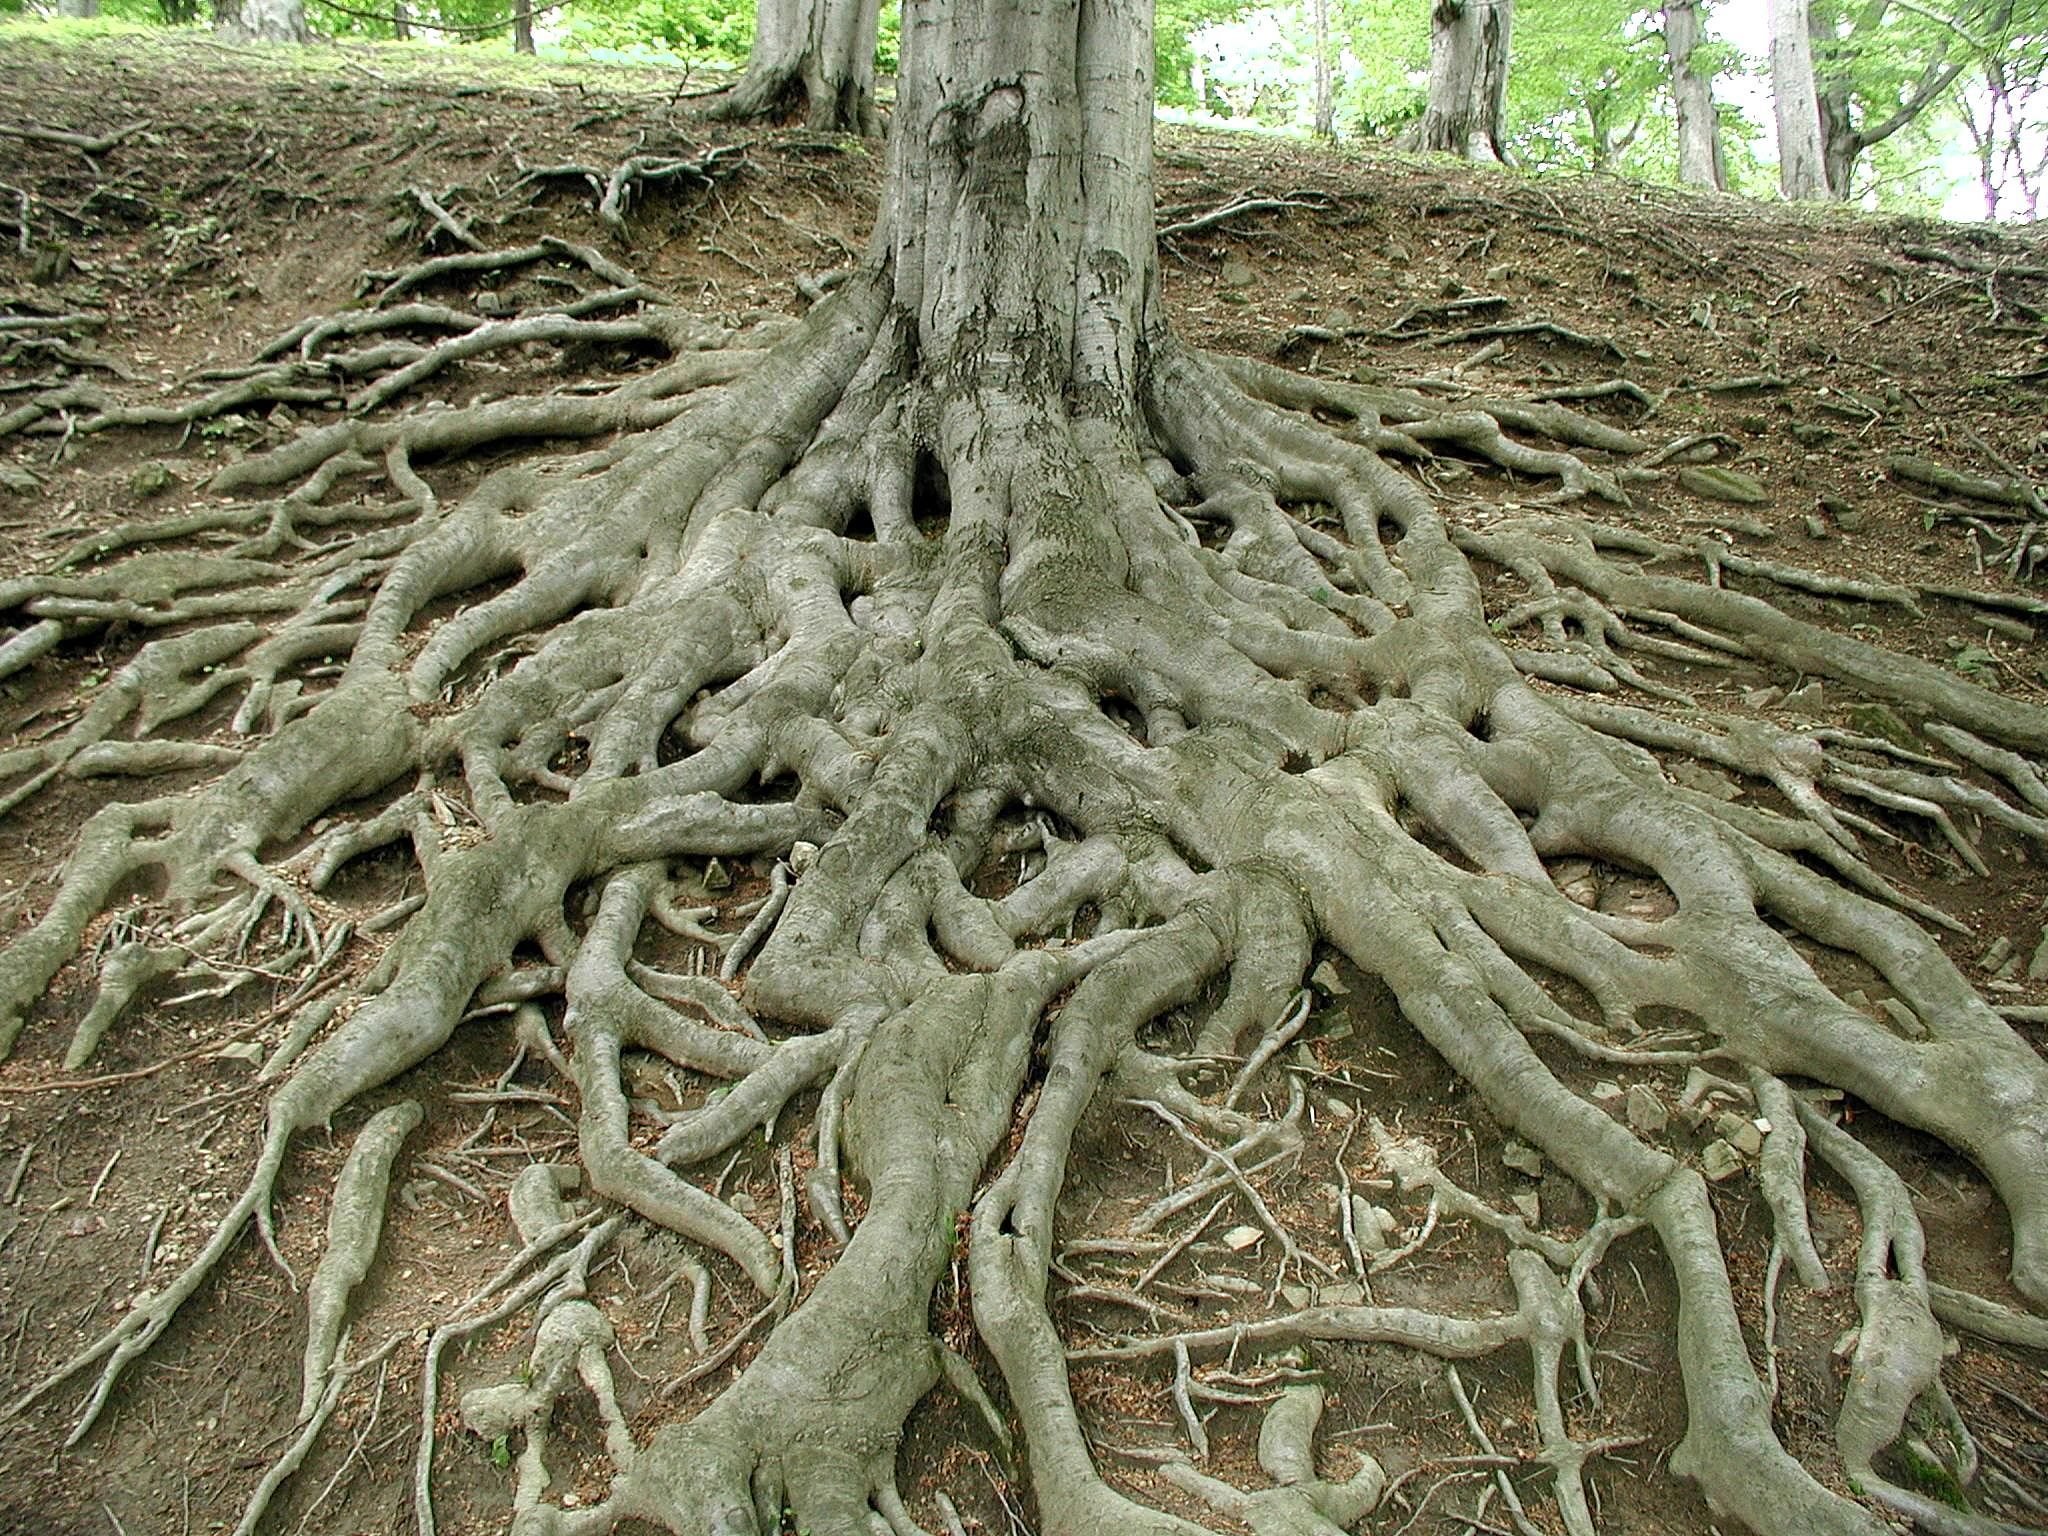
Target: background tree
x=1468 y=78
x=1802 y=173
x=1700 y=162
x=814 y=58
x=2004 y=111
x=1879 y=66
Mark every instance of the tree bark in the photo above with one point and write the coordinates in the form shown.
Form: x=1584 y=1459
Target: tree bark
x=1468 y=78
x=1699 y=126
x=815 y=58
x=522 y=26
x=78 y=9
x=262 y=21
x=401 y=21
x=1802 y=174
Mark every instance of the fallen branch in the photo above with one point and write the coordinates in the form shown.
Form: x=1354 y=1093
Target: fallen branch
x=86 y=143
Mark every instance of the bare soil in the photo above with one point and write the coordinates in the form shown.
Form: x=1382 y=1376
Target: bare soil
x=259 y=189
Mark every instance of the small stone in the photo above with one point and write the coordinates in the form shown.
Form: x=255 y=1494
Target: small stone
x=570 y=1500
x=1995 y=956
x=242 y=1050
x=1397 y=253
x=741 y=1201
x=22 y=482
x=1905 y=1018
x=1860 y=999
x=1238 y=273
x=1349 y=1295
x=1523 y=1159
x=1237 y=1239
x=1846 y=517
x=1498 y=274
x=1297 y=1296
x=151 y=479
x=1762 y=698
x=491 y=302
x=1325 y=977
x=1338 y=1031
x=1337 y=1109
x=1720 y=1161
x=1338 y=319
x=1605 y=1092
x=1718 y=484
x=1646 y=1112
x=1371 y=1224
x=1576 y=882
x=802 y=856
x=1647 y=903
x=1740 y=1133
x=1530 y=1205
x=2037 y=968
x=1808 y=701
x=715 y=876
x=1815 y=528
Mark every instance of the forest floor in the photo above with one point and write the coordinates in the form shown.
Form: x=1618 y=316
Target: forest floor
x=1826 y=348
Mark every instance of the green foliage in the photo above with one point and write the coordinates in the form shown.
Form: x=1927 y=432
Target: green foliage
x=1583 y=82
x=714 y=31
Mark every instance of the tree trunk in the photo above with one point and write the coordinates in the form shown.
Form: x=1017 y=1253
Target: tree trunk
x=401 y=21
x=1092 y=687
x=813 y=57
x=1802 y=173
x=262 y=21
x=1325 y=93
x=1699 y=125
x=522 y=26
x=78 y=9
x=1468 y=78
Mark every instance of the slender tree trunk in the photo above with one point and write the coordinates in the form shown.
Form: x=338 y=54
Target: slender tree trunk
x=1326 y=98
x=1468 y=78
x=816 y=57
x=1802 y=174
x=401 y=21
x=1699 y=126
x=522 y=26
x=262 y=21
x=78 y=9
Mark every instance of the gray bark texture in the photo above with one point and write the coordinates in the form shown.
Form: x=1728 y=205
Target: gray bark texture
x=978 y=571
x=813 y=58
x=78 y=8
x=1795 y=105
x=262 y=21
x=1692 y=93
x=1468 y=78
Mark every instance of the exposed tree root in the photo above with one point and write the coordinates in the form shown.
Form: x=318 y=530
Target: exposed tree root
x=1215 y=675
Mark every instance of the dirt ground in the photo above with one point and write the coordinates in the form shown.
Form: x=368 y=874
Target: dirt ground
x=257 y=189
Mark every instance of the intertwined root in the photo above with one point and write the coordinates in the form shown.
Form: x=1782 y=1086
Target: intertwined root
x=1048 y=725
